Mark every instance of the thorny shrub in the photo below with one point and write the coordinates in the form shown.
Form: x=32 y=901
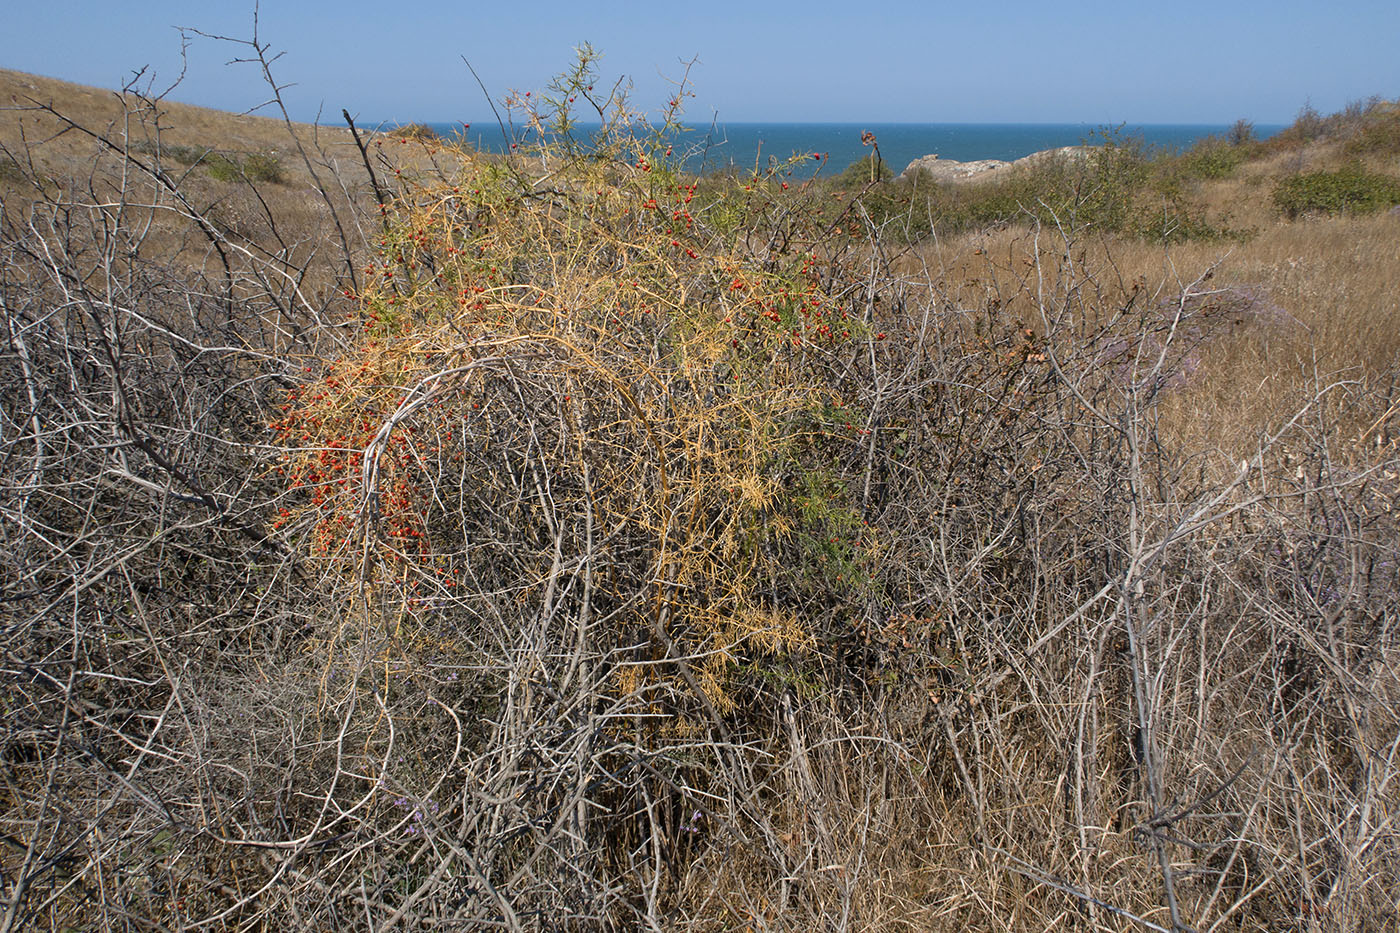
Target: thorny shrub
x=1350 y=189
x=649 y=400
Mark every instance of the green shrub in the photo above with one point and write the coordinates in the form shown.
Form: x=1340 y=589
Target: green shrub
x=257 y=167
x=1173 y=219
x=1351 y=189
x=1117 y=189
x=222 y=168
x=1378 y=135
x=1024 y=191
x=1104 y=196
x=1309 y=124
x=10 y=170
x=1354 y=121
x=1241 y=133
x=1099 y=193
x=1213 y=158
x=263 y=167
x=862 y=172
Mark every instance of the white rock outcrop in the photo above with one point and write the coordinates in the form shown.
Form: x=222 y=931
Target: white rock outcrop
x=949 y=170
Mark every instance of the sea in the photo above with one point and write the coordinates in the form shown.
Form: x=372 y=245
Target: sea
x=750 y=146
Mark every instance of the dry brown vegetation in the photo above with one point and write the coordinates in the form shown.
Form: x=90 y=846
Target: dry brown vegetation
x=572 y=544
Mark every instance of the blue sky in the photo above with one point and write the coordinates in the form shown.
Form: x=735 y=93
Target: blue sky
x=849 y=61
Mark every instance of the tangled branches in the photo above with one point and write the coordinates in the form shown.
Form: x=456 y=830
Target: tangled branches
x=600 y=547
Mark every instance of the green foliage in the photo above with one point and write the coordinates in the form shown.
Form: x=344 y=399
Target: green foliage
x=1348 y=190
x=1214 y=158
x=1360 y=125
x=1241 y=133
x=258 y=167
x=1308 y=125
x=185 y=155
x=10 y=170
x=1117 y=189
x=1379 y=135
x=1167 y=208
x=958 y=207
x=724 y=213
x=222 y=167
x=561 y=100
x=1174 y=219
x=865 y=170
x=1117 y=173
x=263 y=167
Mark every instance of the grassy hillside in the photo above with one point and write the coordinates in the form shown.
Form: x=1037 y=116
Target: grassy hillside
x=399 y=537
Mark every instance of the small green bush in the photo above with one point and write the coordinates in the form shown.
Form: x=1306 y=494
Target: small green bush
x=1351 y=189
x=955 y=208
x=1173 y=219
x=263 y=167
x=1213 y=158
x=10 y=170
x=257 y=167
x=1241 y=133
x=1118 y=173
x=863 y=171
x=222 y=168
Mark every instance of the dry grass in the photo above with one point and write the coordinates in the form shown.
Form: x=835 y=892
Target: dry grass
x=1325 y=296
x=129 y=116
x=563 y=548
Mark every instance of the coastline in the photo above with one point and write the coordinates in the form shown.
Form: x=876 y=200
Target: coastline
x=755 y=146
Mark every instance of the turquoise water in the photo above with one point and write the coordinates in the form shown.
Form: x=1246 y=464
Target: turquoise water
x=747 y=145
